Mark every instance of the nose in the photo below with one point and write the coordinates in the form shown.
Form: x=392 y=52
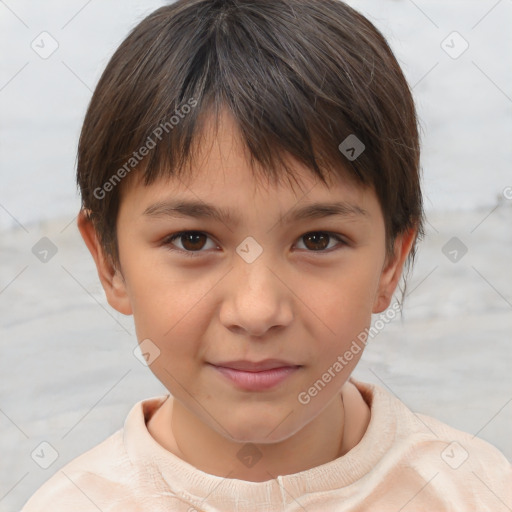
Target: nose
x=256 y=299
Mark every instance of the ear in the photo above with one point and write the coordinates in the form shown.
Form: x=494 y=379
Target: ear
x=111 y=278
x=392 y=270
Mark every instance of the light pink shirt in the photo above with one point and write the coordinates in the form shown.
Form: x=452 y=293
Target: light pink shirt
x=405 y=462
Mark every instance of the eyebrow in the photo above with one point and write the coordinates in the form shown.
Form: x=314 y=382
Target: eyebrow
x=201 y=210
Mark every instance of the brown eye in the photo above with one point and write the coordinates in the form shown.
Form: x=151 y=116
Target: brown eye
x=316 y=241
x=191 y=242
x=319 y=241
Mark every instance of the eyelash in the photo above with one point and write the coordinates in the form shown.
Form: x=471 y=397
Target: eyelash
x=167 y=241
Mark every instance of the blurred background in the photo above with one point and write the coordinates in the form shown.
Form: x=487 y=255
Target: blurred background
x=69 y=372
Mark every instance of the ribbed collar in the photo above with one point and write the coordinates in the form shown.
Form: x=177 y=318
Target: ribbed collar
x=188 y=482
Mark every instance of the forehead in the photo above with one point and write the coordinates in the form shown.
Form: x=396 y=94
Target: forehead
x=220 y=173
x=221 y=157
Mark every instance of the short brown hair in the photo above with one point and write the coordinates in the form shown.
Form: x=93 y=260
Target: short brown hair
x=299 y=76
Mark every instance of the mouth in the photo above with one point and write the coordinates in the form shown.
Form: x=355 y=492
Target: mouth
x=256 y=376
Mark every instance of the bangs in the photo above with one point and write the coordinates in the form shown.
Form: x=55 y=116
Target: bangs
x=243 y=63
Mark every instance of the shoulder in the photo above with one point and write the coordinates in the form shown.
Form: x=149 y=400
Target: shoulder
x=102 y=476
x=75 y=486
x=463 y=466
x=459 y=448
x=430 y=453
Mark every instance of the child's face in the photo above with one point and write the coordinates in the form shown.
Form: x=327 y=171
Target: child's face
x=292 y=303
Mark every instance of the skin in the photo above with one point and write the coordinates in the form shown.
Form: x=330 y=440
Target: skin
x=293 y=302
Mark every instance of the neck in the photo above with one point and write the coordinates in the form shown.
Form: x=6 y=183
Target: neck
x=331 y=434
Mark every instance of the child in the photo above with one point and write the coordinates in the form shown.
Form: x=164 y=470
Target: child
x=251 y=293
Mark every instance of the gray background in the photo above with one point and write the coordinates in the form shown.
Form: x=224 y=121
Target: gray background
x=69 y=375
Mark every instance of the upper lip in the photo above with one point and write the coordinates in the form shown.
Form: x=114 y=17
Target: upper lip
x=255 y=366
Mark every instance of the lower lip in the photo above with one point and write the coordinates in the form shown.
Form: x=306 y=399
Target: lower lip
x=257 y=381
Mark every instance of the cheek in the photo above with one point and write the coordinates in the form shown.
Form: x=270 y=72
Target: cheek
x=167 y=307
x=343 y=307
x=342 y=301
x=173 y=312
x=174 y=315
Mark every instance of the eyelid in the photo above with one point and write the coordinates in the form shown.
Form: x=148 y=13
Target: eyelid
x=167 y=241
